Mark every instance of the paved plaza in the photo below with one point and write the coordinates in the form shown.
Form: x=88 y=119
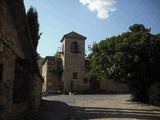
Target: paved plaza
x=96 y=107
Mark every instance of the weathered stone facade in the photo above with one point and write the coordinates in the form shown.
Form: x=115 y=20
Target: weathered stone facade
x=73 y=57
x=111 y=86
x=51 y=72
x=19 y=76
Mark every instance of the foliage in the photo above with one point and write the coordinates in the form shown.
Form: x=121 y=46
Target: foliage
x=132 y=57
x=57 y=54
x=139 y=28
x=33 y=22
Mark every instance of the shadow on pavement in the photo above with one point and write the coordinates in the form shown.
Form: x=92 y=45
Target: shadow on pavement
x=56 y=110
x=84 y=113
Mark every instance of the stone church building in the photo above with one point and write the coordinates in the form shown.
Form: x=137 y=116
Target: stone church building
x=68 y=72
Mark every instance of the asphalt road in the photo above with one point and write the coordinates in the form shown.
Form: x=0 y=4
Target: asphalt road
x=96 y=107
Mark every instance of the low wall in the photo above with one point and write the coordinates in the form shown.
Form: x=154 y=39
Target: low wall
x=109 y=85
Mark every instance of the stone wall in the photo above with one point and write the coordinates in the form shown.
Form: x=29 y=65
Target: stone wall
x=36 y=93
x=7 y=58
x=44 y=75
x=6 y=85
x=110 y=86
x=51 y=72
x=18 y=84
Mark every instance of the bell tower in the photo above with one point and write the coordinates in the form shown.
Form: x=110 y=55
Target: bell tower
x=73 y=57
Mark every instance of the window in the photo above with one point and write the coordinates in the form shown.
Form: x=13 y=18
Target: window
x=1 y=72
x=85 y=80
x=74 y=47
x=75 y=74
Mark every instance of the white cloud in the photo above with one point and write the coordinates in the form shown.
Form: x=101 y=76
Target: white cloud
x=101 y=7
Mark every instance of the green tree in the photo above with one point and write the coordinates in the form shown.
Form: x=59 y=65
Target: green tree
x=139 y=28
x=132 y=57
x=57 y=54
x=33 y=22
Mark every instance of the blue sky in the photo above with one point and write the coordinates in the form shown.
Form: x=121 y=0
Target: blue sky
x=95 y=19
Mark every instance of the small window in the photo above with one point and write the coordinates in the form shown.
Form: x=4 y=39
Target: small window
x=75 y=75
x=74 y=47
x=1 y=72
x=85 y=80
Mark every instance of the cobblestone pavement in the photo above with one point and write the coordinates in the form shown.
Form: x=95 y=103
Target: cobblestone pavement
x=96 y=107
